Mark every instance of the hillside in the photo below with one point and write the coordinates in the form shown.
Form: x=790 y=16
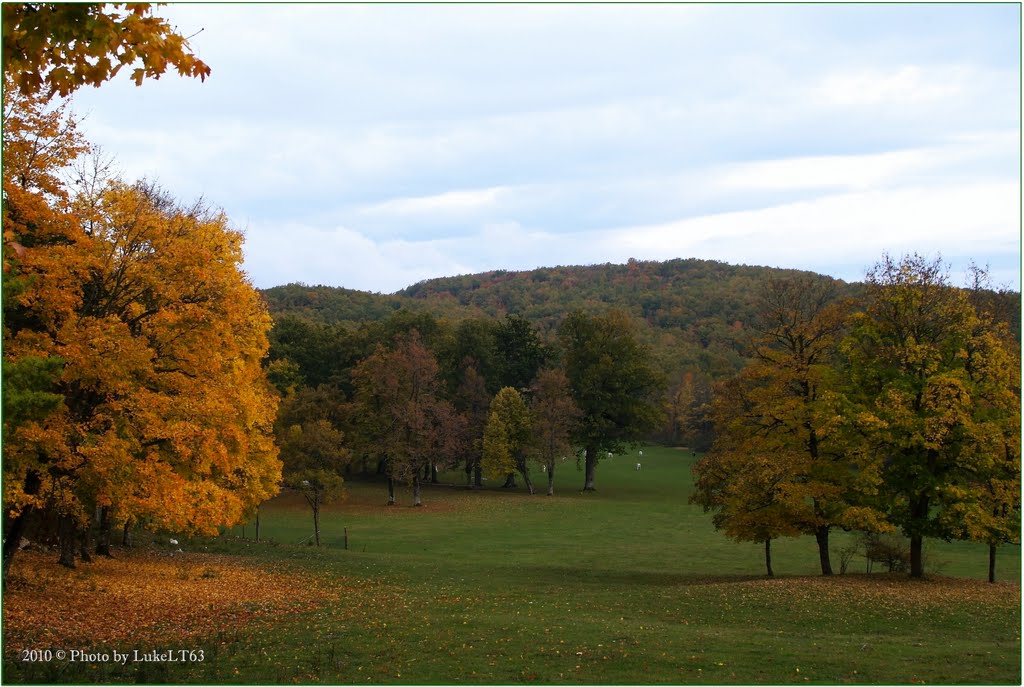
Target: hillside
x=676 y=293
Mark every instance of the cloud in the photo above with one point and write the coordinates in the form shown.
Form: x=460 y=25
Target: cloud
x=907 y=84
x=449 y=202
x=287 y=252
x=969 y=220
x=373 y=146
x=870 y=170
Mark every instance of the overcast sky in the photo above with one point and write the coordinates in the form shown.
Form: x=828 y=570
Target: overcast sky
x=374 y=146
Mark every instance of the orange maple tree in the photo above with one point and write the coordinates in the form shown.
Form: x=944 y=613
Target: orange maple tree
x=55 y=48
x=155 y=338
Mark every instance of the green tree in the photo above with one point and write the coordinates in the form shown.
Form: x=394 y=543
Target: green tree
x=314 y=455
x=926 y=371
x=613 y=383
x=520 y=352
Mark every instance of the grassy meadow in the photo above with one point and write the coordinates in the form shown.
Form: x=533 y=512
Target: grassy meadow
x=629 y=585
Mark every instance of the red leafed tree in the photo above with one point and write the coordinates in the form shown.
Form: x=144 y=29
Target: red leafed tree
x=404 y=416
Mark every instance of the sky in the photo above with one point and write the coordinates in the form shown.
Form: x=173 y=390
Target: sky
x=374 y=146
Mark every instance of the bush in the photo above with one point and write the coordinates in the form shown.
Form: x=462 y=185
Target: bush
x=888 y=549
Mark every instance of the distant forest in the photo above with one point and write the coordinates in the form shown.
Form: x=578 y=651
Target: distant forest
x=696 y=316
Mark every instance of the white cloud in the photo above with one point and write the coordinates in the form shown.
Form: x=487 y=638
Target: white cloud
x=908 y=84
x=449 y=202
x=868 y=170
x=969 y=220
x=284 y=253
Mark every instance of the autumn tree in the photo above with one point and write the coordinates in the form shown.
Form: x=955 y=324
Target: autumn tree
x=312 y=445
x=472 y=403
x=989 y=511
x=749 y=489
x=165 y=414
x=506 y=436
x=313 y=453
x=795 y=403
x=56 y=48
x=405 y=417
x=613 y=383
x=554 y=415
x=936 y=398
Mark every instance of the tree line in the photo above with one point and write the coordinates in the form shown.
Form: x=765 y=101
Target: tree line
x=899 y=410
x=413 y=395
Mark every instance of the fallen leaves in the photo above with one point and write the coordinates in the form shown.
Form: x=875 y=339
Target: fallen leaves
x=147 y=597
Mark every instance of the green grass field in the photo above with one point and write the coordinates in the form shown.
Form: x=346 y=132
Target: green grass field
x=629 y=585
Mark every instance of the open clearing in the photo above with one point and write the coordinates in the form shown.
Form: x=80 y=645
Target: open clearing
x=630 y=585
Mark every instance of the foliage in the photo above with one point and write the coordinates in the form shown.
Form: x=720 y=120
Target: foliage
x=403 y=414
x=55 y=48
x=508 y=430
x=554 y=414
x=785 y=411
x=472 y=402
x=133 y=310
x=613 y=383
x=157 y=598
x=520 y=352
x=939 y=398
x=312 y=447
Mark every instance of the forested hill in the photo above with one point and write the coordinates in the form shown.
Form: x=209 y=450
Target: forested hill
x=668 y=295
x=676 y=293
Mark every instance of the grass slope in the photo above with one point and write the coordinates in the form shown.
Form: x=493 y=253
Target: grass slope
x=630 y=585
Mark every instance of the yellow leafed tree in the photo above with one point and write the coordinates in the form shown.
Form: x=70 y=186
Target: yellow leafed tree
x=164 y=412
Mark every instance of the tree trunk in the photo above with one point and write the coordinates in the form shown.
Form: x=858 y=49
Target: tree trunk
x=992 y=563
x=126 y=536
x=768 y=557
x=469 y=473
x=551 y=478
x=13 y=532
x=433 y=473
x=591 y=468
x=316 y=523
x=14 y=528
x=103 y=540
x=391 y=491
x=257 y=523
x=525 y=471
x=916 y=556
x=918 y=518
x=510 y=481
x=84 y=537
x=416 y=502
x=821 y=536
x=478 y=475
x=66 y=531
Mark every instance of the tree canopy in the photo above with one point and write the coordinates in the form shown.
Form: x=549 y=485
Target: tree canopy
x=56 y=48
